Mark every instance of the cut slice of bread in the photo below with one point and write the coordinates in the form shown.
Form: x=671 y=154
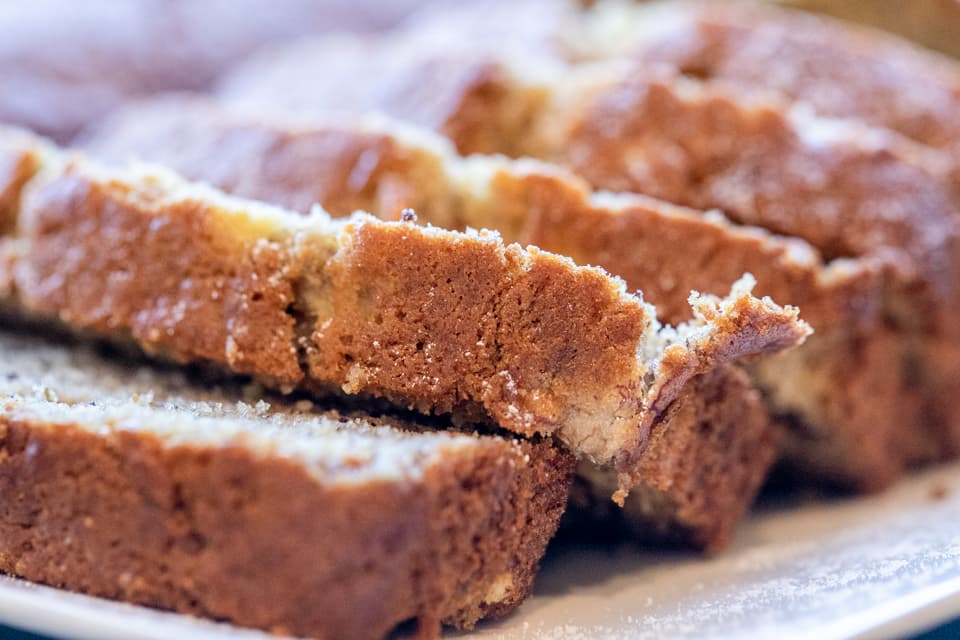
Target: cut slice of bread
x=142 y=486
x=433 y=320
x=851 y=433
x=852 y=190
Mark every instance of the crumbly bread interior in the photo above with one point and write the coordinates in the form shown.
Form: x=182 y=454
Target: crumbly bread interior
x=45 y=381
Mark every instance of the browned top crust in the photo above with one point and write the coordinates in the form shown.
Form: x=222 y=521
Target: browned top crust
x=190 y=498
x=382 y=166
x=839 y=69
x=847 y=189
x=432 y=319
x=64 y=63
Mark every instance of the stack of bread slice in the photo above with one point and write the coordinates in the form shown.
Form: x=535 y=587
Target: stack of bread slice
x=456 y=324
x=849 y=433
x=633 y=111
x=350 y=329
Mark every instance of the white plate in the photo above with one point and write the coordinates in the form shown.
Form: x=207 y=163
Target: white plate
x=873 y=567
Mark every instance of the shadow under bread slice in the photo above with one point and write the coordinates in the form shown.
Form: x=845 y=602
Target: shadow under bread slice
x=849 y=433
x=433 y=320
x=143 y=486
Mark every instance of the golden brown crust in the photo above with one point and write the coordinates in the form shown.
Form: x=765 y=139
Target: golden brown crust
x=207 y=531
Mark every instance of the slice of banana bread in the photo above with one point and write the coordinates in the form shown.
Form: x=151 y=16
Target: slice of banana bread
x=851 y=190
x=144 y=486
x=433 y=320
x=851 y=433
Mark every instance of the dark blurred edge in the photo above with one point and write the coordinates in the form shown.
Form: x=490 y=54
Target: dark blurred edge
x=950 y=631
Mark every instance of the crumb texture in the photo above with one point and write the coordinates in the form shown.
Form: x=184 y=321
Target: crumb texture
x=184 y=498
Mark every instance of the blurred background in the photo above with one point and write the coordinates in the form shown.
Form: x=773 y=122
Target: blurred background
x=64 y=63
